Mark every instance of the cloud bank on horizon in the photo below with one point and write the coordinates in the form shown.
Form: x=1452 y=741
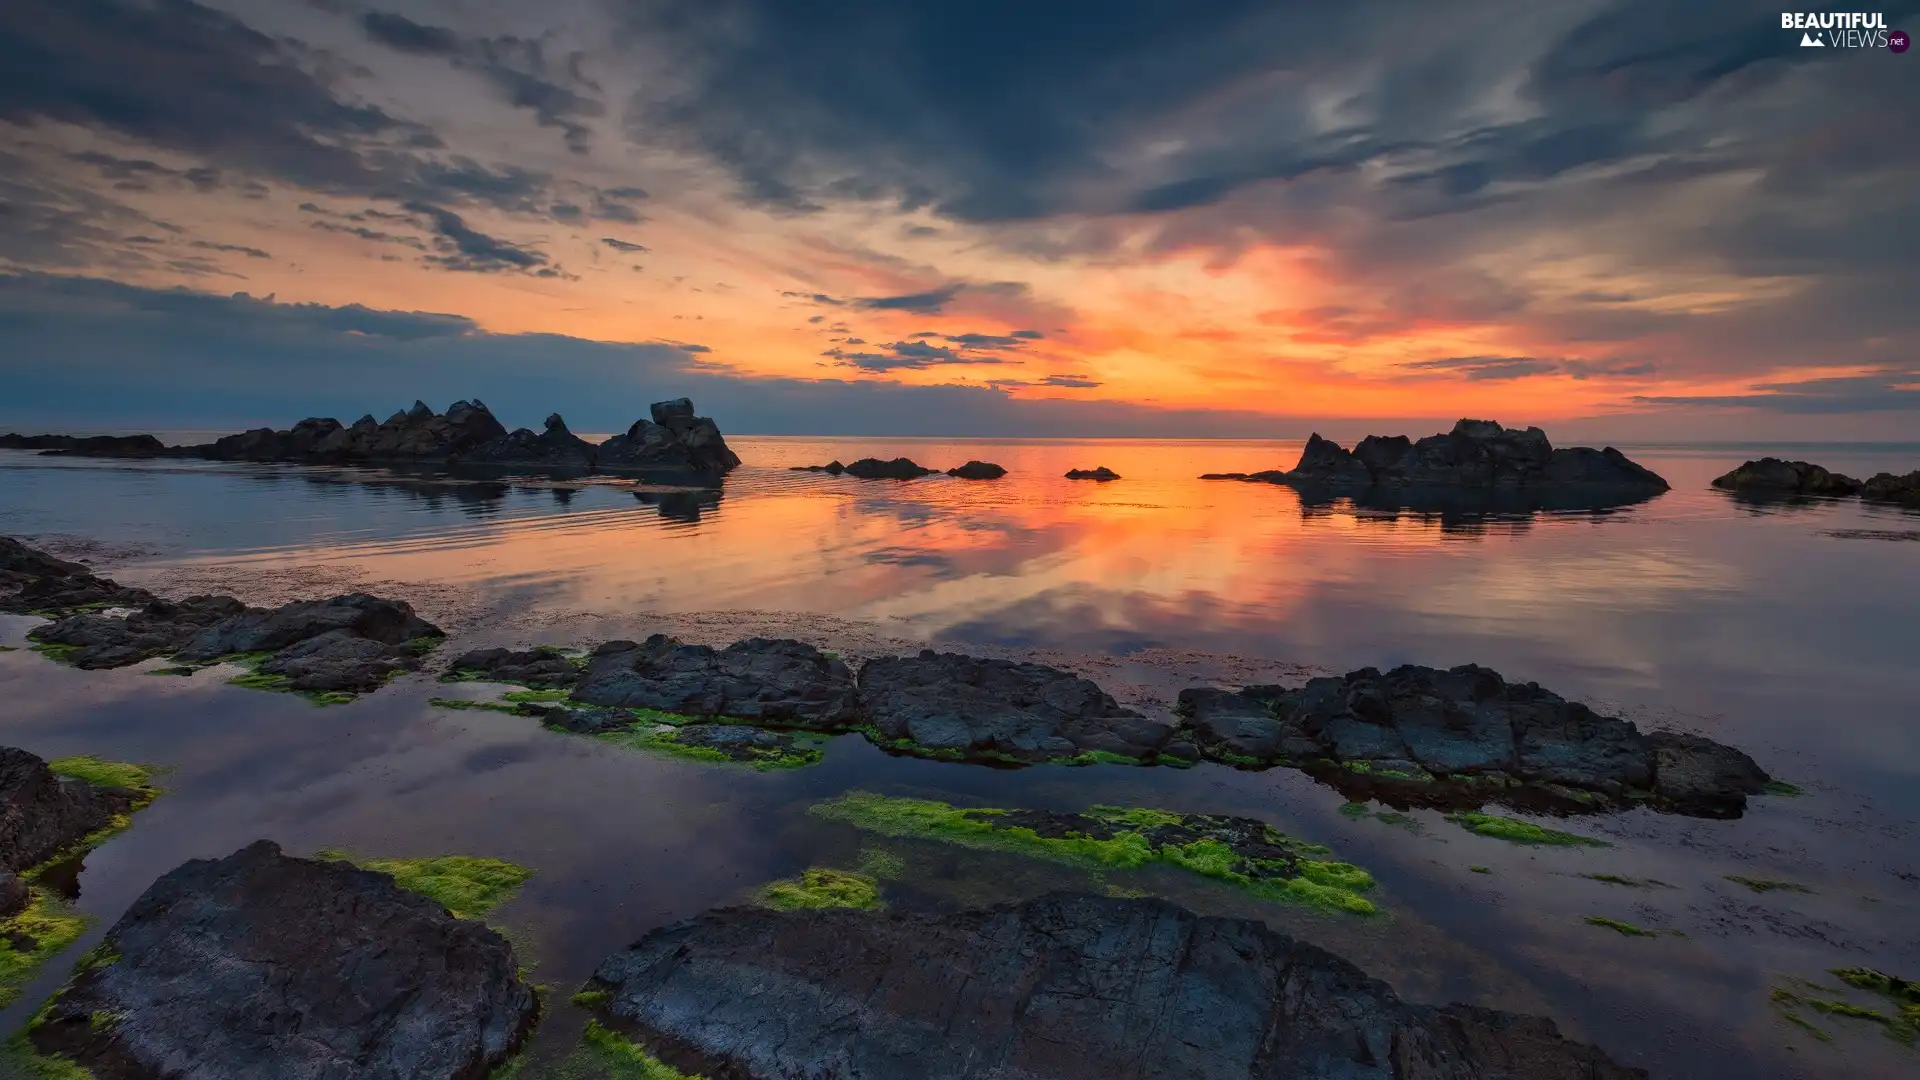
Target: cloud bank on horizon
x=1076 y=218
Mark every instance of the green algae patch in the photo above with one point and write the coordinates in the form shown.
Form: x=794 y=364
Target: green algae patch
x=1629 y=929
x=1515 y=831
x=20 y=1059
x=822 y=887
x=1239 y=851
x=55 y=652
x=1765 y=885
x=591 y=999
x=1903 y=1025
x=542 y=696
x=464 y=703
x=1782 y=788
x=1353 y=809
x=617 y=1057
x=465 y=885
x=765 y=751
x=121 y=775
x=182 y=670
x=281 y=684
x=1629 y=882
x=34 y=936
x=1480 y=869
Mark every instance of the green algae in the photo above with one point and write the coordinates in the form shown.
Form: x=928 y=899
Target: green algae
x=1619 y=927
x=880 y=864
x=822 y=887
x=1516 y=831
x=1354 y=809
x=667 y=739
x=32 y=937
x=1629 y=882
x=1764 y=885
x=281 y=684
x=182 y=670
x=20 y=1059
x=1480 y=869
x=468 y=886
x=1782 y=788
x=591 y=999
x=55 y=652
x=619 y=1058
x=542 y=696
x=1903 y=994
x=464 y=703
x=96 y=772
x=1116 y=838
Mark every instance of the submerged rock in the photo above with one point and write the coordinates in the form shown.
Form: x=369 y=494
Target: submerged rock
x=1475 y=454
x=1065 y=987
x=42 y=815
x=33 y=581
x=1886 y=487
x=260 y=964
x=977 y=470
x=1101 y=473
x=778 y=681
x=1775 y=476
x=542 y=669
x=1465 y=737
x=898 y=469
x=964 y=706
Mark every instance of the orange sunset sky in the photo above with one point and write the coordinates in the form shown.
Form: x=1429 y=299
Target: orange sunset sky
x=1269 y=213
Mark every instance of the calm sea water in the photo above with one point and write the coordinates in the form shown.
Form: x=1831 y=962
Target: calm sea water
x=1787 y=630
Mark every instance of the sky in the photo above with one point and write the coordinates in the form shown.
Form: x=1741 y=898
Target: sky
x=1629 y=218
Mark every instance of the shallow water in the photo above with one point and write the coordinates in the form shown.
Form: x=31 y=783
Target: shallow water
x=1785 y=630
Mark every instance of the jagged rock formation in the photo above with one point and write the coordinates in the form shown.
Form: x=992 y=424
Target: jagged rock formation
x=33 y=581
x=977 y=470
x=1775 y=476
x=467 y=433
x=542 y=669
x=1888 y=488
x=1465 y=737
x=1101 y=473
x=873 y=469
x=778 y=681
x=1067 y=987
x=260 y=964
x=964 y=706
x=1475 y=454
x=42 y=815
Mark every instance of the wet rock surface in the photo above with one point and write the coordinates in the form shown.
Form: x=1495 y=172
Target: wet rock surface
x=554 y=445
x=1101 y=473
x=1888 y=488
x=1465 y=737
x=43 y=815
x=775 y=681
x=977 y=470
x=1064 y=986
x=1775 y=476
x=965 y=706
x=897 y=469
x=32 y=581
x=260 y=964
x=1475 y=454
x=674 y=439
x=107 y=446
x=542 y=669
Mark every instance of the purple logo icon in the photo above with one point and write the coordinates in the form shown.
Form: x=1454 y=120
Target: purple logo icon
x=1898 y=41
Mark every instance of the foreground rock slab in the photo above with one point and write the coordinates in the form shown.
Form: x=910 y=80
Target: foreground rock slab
x=775 y=681
x=43 y=815
x=1066 y=987
x=948 y=704
x=34 y=582
x=1475 y=454
x=1465 y=737
x=260 y=964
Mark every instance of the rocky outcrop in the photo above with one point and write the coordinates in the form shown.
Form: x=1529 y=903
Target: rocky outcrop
x=1466 y=737
x=1888 y=488
x=1773 y=476
x=260 y=964
x=346 y=644
x=674 y=439
x=33 y=581
x=1101 y=473
x=555 y=446
x=977 y=470
x=1067 y=987
x=542 y=669
x=779 y=682
x=898 y=469
x=1475 y=454
x=42 y=815
x=834 y=467
x=103 y=446
x=947 y=704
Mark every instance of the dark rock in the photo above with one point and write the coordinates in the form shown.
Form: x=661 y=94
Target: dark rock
x=157 y=628
x=16 y=441
x=1465 y=737
x=14 y=897
x=580 y=721
x=339 y=661
x=946 y=703
x=33 y=581
x=1774 y=476
x=977 y=470
x=42 y=815
x=1101 y=473
x=1886 y=487
x=1065 y=987
x=554 y=447
x=259 y=964
x=108 y=446
x=833 y=467
x=738 y=742
x=542 y=669
x=675 y=440
x=389 y=622
x=1475 y=454
x=897 y=469
x=780 y=682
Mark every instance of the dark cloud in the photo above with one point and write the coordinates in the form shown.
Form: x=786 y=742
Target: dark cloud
x=465 y=248
x=1476 y=368
x=375 y=235
x=1031 y=335
x=931 y=302
x=401 y=33
x=622 y=245
x=1895 y=390
x=139 y=174
x=907 y=355
x=1080 y=382
x=238 y=249
x=987 y=341
x=817 y=298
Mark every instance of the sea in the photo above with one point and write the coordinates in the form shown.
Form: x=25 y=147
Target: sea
x=1788 y=629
